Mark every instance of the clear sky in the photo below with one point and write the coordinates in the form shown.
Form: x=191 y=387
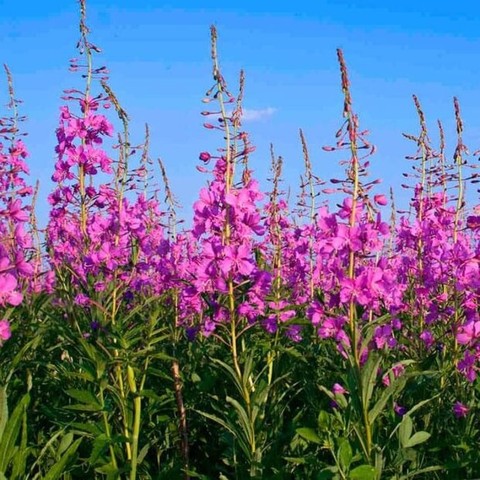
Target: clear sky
x=158 y=56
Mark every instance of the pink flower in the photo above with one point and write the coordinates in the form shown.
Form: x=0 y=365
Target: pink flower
x=468 y=332
x=8 y=293
x=237 y=260
x=338 y=389
x=5 y=332
x=397 y=371
x=460 y=410
x=315 y=312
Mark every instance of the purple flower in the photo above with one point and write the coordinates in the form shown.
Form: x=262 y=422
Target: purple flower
x=427 y=338
x=460 y=410
x=294 y=332
x=399 y=409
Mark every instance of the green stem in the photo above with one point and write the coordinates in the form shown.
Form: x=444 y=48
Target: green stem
x=137 y=406
x=107 y=431
x=136 y=433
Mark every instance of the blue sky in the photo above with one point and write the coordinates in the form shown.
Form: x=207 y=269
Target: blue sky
x=158 y=56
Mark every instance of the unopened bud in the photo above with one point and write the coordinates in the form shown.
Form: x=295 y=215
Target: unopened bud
x=205 y=157
x=380 y=199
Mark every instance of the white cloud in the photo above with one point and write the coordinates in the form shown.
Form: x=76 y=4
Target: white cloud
x=253 y=115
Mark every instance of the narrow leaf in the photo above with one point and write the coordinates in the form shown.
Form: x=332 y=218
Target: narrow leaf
x=59 y=468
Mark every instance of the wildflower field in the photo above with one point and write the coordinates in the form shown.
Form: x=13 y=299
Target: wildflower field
x=321 y=336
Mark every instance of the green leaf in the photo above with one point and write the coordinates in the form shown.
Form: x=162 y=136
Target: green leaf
x=247 y=428
x=393 y=389
x=217 y=420
x=405 y=430
x=10 y=434
x=60 y=466
x=21 y=453
x=345 y=455
x=84 y=396
x=87 y=427
x=363 y=472
x=433 y=468
x=417 y=438
x=232 y=374
x=81 y=407
x=369 y=378
x=66 y=441
x=326 y=474
x=193 y=474
x=108 y=469
x=323 y=420
x=143 y=453
x=195 y=378
x=100 y=445
x=413 y=410
x=309 y=434
x=3 y=410
x=296 y=460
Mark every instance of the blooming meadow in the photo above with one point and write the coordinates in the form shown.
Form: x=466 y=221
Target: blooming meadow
x=326 y=336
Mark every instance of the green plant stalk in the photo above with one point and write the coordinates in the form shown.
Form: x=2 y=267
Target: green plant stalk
x=337 y=463
x=177 y=383
x=228 y=185
x=458 y=211
x=126 y=430
x=136 y=433
x=229 y=180
x=355 y=177
x=368 y=428
x=107 y=430
x=137 y=407
x=120 y=183
x=309 y=176
x=174 y=331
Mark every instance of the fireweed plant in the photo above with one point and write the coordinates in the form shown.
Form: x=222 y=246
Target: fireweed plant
x=323 y=337
x=114 y=267
x=228 y=294
x=17 y=244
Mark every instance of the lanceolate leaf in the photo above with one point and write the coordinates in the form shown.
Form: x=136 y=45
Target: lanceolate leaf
x=10 y=435
x=58 y=470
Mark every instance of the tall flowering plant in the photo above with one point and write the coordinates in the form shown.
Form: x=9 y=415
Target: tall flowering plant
x=227 y=294
x=17 y=247
x=114 y=265
x=356 y=306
